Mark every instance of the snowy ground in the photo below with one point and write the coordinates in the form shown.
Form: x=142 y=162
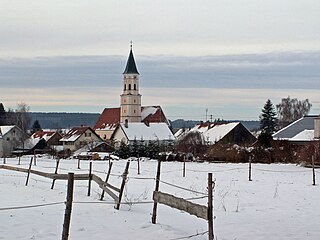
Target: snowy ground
x=280 y=202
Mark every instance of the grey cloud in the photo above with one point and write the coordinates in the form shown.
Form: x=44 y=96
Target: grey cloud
x=287 y=70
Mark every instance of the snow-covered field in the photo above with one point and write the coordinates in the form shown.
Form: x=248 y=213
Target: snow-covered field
x=280 y=202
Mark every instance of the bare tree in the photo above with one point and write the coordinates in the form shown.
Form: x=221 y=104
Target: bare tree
x=20 y=116
x=193 y=142
x=291 y=109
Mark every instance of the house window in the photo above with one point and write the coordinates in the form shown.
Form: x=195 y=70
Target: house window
x=87 y=134
x=125 y=86
x=8 y=139
x=124 y=111
x=129 y=86
x=135 y=86
x=134 y=100
x=134 y=111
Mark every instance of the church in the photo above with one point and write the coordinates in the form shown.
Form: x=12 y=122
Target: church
x=132 y=121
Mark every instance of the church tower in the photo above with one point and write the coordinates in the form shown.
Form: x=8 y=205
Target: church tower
x=130 y=106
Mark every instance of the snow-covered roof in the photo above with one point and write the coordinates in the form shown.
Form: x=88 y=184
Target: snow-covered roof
x=217 y=132
x=211 y=132
x=146 y=111
x=5 y=129
x=305 y=135
x=140 y=131
x=288 y=132
x=74 y=134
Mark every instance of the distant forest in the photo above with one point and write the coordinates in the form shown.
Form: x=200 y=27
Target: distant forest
x=65 y=120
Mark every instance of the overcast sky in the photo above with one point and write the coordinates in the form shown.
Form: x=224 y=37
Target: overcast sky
x=228 y=56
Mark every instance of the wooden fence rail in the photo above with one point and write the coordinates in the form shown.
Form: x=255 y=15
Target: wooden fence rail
x=114 y=192
x=201 y=211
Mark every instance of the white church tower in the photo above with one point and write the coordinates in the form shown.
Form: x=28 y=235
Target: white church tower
x=130 y=106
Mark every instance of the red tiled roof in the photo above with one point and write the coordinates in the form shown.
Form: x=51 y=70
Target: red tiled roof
x=158 y=116
x=110 y=117
x=75 y=133
x=40 y=134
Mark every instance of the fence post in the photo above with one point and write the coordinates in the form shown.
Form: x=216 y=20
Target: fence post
x=184 y=167
x=210 y=207
x=250 y=160
x=107 y=178
x=90 y=178
x=29 y=170
x=78 y=163
x=19 y=160
x=124 y=179
x=4 y=160
x=55 y=172
x=138 y=165
x=34 y=158
x=67 y=214
x=313 y=172
x=155 y=204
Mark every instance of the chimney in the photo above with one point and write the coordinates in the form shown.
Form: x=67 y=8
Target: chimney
x=317 y=127
x=126 y=123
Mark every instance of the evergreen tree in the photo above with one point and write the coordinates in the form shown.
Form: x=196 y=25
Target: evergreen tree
x=36 y=126
x=268 y=118
x=2 y=115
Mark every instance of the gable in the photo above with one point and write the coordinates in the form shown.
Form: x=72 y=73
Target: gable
x=304 y=123
x=76 y=133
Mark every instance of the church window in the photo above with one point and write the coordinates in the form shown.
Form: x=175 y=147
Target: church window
x=134 y=100
x=135 y=86
x=125 y=87
x=129 y=86
x=134 y=111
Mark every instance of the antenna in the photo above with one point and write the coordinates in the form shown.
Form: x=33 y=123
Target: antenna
x=206 y=114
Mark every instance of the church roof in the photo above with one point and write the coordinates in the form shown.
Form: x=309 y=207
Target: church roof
x=110 y=117
x=131 y=67
x=151 y=132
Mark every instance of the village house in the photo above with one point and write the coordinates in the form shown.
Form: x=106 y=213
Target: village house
x=51 y=138
x=130 y=109
x=10 y=138
x=79 y=137
x=233 y=132
x=302 y=131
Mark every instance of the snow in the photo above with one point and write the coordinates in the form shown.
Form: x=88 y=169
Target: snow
x=214 y=132
x=5 y=129
x=155 y=131
x=218 y=131
x=279 y=203
x=71 y=138
x=148 y=111
x=305 y=135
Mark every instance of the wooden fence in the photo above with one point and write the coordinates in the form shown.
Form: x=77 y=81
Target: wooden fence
x=112 y=191
x=201 y=211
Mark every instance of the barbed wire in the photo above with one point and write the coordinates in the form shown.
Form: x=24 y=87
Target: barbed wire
x=190 y=236
x=281 y=171
x=30 y=206
x=182 y=188
x=206 y=171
